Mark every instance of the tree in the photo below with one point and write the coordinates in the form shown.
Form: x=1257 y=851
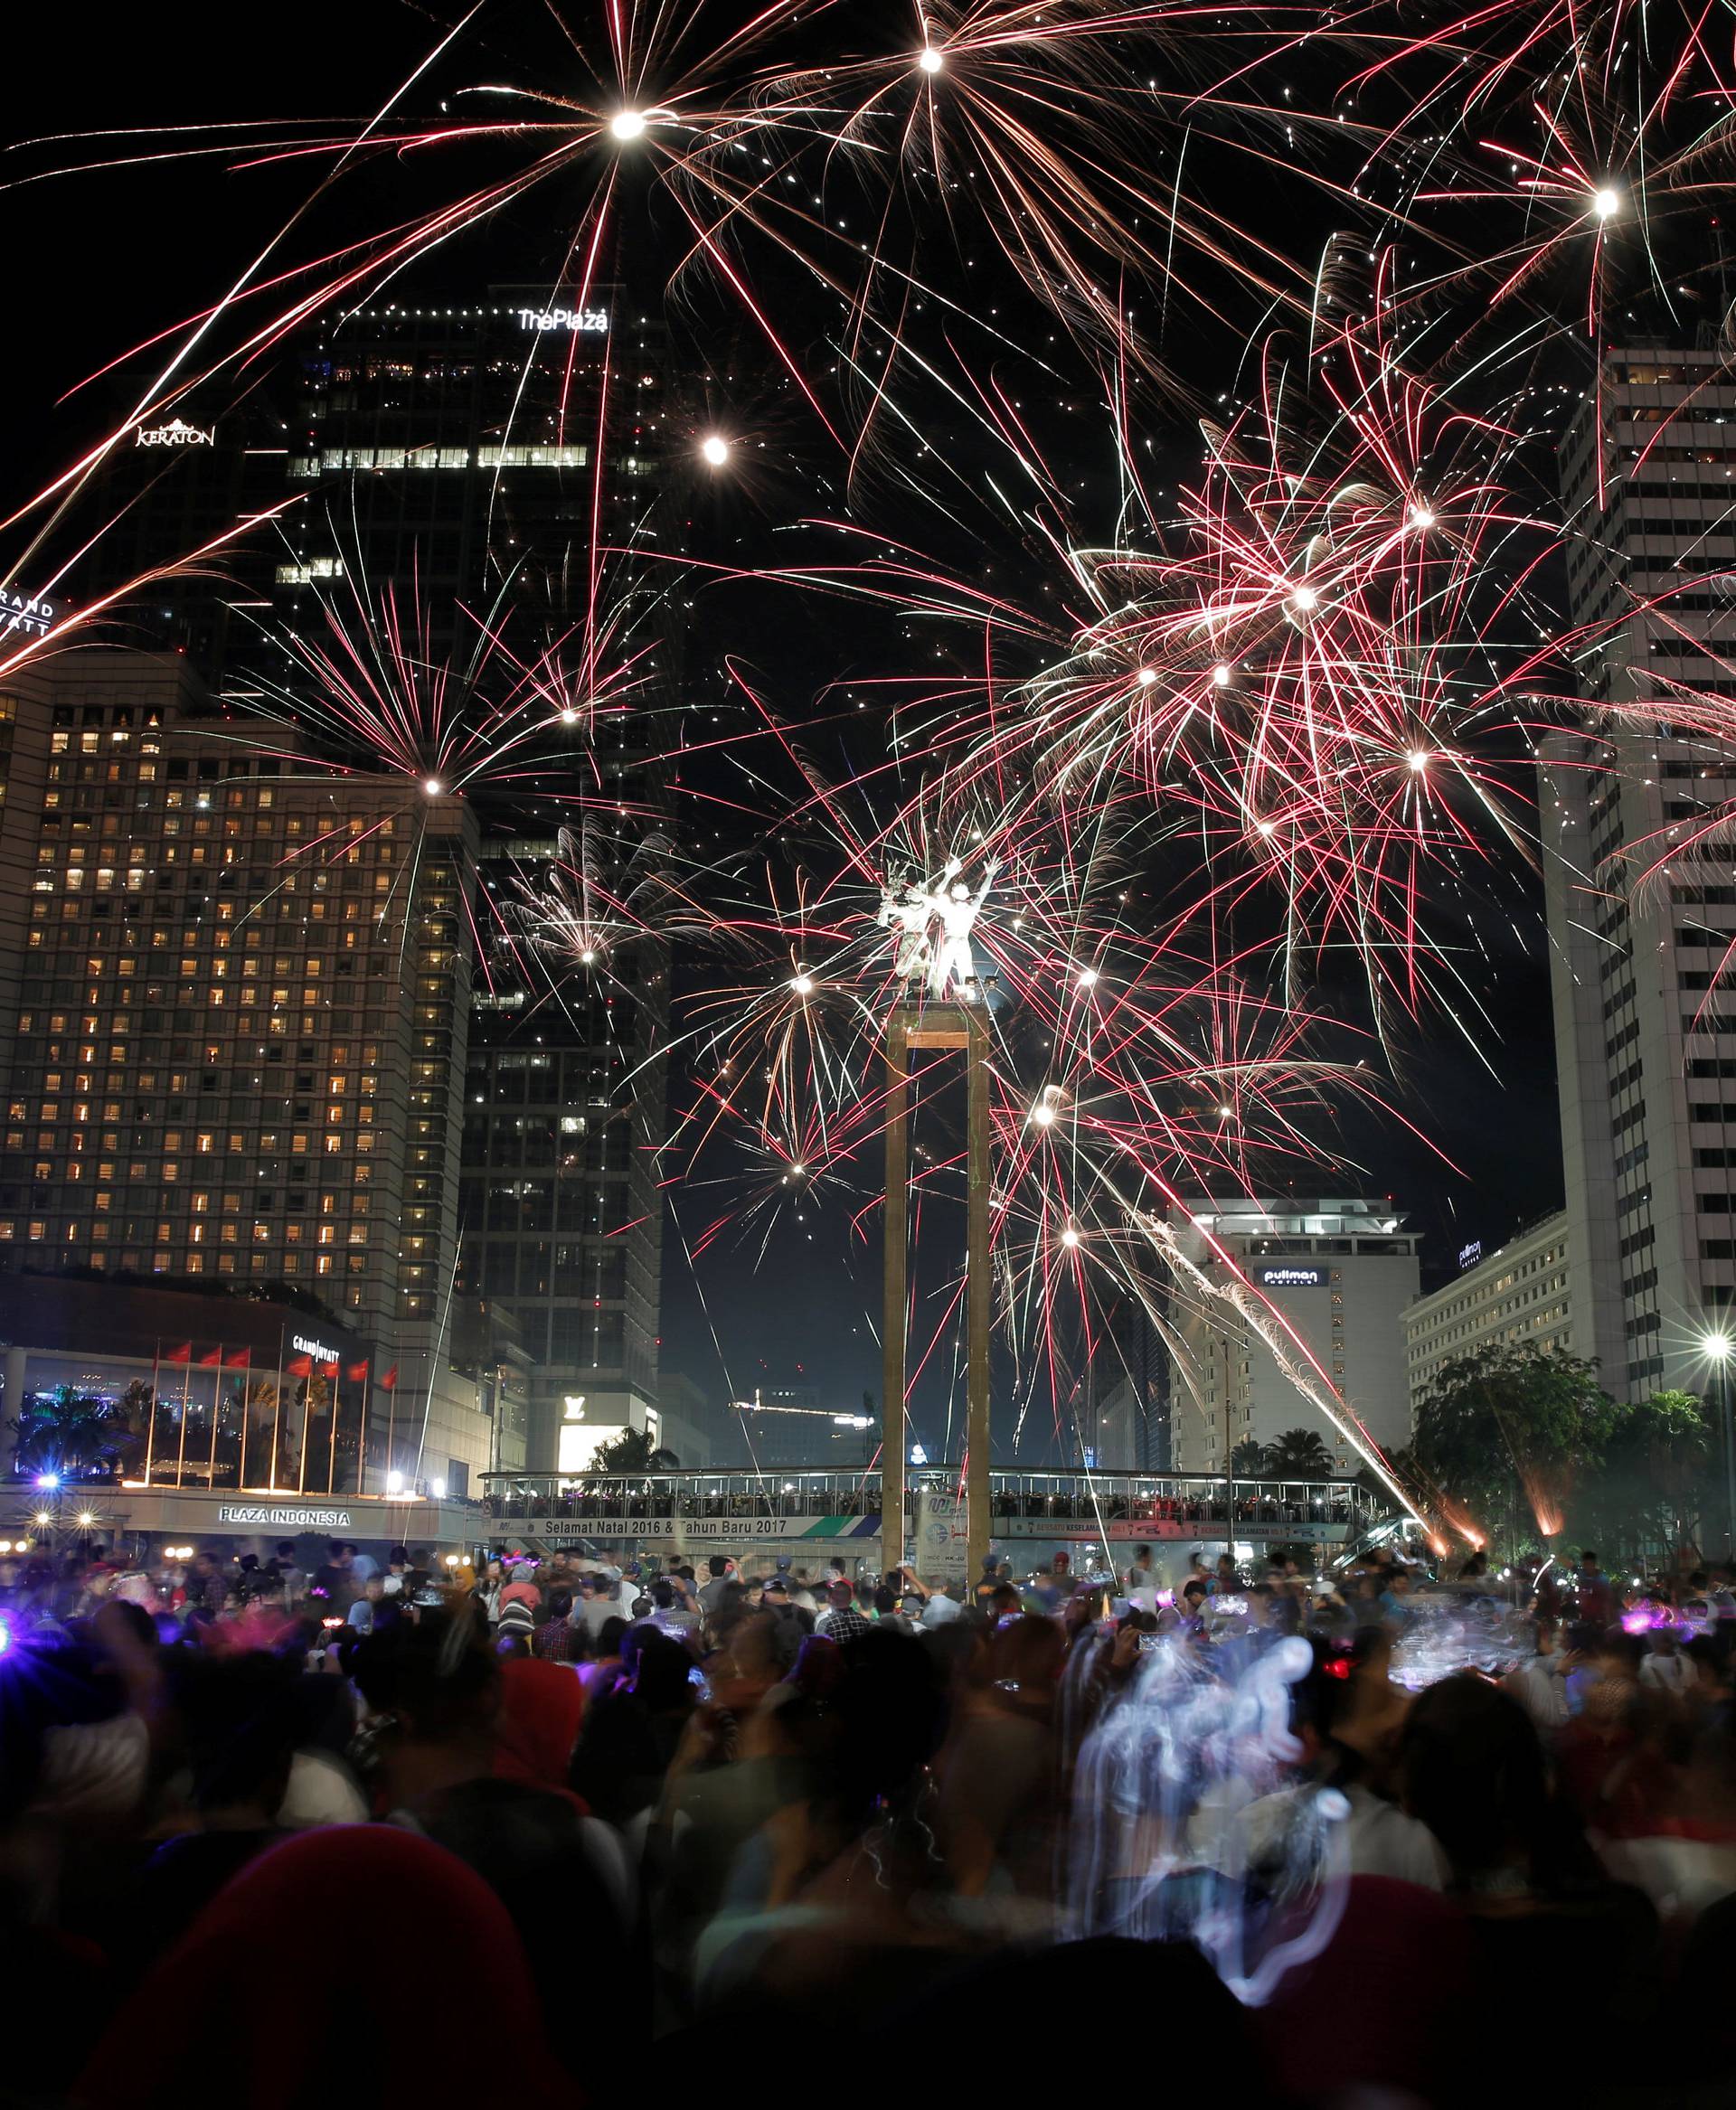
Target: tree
x=1654 y=1483
x=1298 y=1454
x=633 y=1451
x=1247 y=1459
x=1508 y=1433
x=78 y=1434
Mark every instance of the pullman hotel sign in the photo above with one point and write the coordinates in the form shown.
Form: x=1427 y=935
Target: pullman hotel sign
x=282 y=1517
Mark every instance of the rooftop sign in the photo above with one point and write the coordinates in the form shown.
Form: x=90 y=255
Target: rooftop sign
x=27 y=612
x=174 y=434
x=578 y=322
x=1289 y=1277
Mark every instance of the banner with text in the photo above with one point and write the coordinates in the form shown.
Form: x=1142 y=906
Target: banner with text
x=942 y=1538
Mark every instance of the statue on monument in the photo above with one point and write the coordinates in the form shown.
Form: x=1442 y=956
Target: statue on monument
x=910 y=919
x=948 y=967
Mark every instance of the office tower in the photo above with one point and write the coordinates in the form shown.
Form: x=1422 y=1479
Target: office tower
x=450 y=455
x=1339 y=1273
x=234 y=1002
x=1518 y=1296
x=1639 y=929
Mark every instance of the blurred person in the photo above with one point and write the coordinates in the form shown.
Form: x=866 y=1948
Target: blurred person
x=631 y=1731
x=841 y=1621
x=1539 y=1682
x=997 y=1798
x=296 y=1894
x=1665 y=1667
x=364 y=1607
x=555 y=1641
x=720 y=1572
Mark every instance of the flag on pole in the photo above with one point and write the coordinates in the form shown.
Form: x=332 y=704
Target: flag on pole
x=181 y=1354
x=390 y=1379
x=212 y=1359
x=357 y=1371
x=329 y=1370
x=301 y=1366
x=237 y=1359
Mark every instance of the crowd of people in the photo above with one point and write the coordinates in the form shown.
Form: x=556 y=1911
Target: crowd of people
x=1364 y=1840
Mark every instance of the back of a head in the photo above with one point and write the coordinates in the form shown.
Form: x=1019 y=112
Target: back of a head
x=1474 y=1772
x=343 y=1875
x=1028 y=1653
x=663 y=1595
x=559 y=1603
x=717 y=1566
x=660 y=1667
x=432 y=1673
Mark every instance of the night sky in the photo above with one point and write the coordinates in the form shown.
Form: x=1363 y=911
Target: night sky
x=99 y=262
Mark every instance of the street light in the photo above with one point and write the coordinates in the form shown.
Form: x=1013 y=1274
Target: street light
x=1718 y=1349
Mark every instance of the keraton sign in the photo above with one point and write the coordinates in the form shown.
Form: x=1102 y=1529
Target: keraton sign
x=174 y=434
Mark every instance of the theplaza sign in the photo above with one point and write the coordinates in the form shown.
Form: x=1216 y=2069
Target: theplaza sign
x=578 y=322
x=279 y=1516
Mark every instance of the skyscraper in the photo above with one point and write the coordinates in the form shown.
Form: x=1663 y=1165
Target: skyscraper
x=498 y=463
x=1340 y=1273
x=234 y=1001
x=1640 y=889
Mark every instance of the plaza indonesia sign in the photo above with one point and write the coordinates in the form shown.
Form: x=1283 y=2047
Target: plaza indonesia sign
x=174 y=434
x=28 y=612
x=577 y=322
x=281 y=1517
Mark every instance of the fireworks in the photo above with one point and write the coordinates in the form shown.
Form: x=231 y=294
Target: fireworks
x=1170 y=385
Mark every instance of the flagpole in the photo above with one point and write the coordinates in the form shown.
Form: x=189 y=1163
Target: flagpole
x=216 y=1416
x=277 y=1409
x=306 y=1416
x=392 y=1431
x=150 y=1421
x=331 y=1454
x=241 y=1463
x=362 y=1433
x=187 y=1401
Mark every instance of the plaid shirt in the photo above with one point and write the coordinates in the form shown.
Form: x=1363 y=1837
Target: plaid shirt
x=847 y=1625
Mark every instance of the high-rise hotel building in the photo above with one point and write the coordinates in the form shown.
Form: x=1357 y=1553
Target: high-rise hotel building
x=1339 y=1272
x=1645 y=1014
x=234 y=996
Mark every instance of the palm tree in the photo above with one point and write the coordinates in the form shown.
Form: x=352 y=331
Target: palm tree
x=75 y=1433
x=1248 y=1461
x=1298 y=1454
x=633 y=1451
